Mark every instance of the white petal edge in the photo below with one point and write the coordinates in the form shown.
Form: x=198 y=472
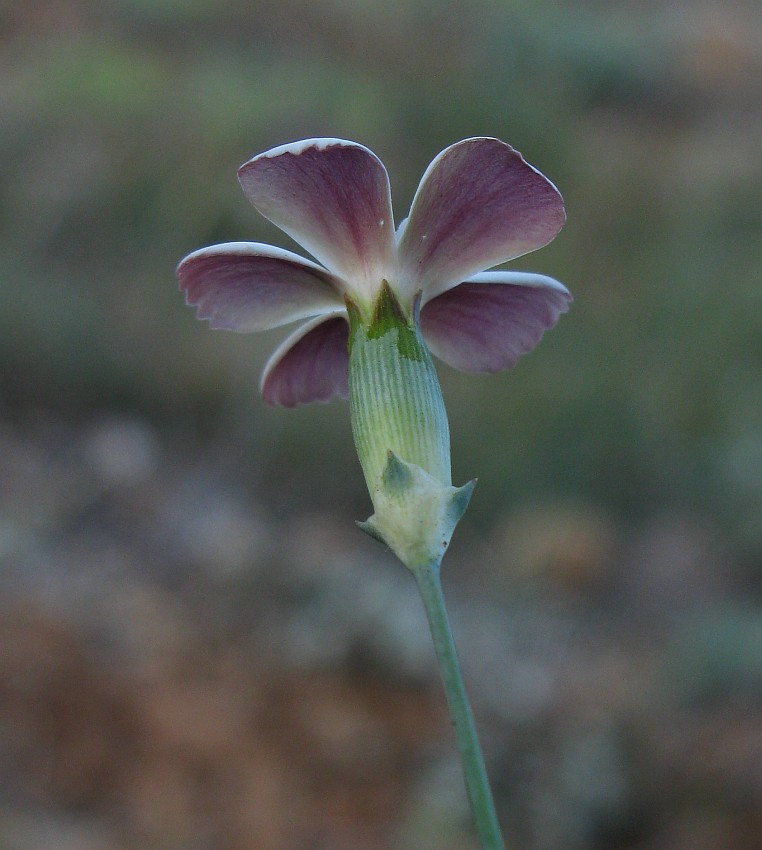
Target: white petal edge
x=255 y=249
x=505 y=278
x=299 y=147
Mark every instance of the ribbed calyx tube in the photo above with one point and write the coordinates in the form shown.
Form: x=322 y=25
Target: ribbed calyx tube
x=401 y=434
x=395 y=399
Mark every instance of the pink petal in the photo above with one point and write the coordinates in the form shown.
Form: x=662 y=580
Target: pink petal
x=310 y=365
x=478 y=204
x=246 y=286
x=333 y=198
x=488 y=322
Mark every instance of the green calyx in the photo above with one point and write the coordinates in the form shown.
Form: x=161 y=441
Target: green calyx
x=394 y=395
x=401 y=432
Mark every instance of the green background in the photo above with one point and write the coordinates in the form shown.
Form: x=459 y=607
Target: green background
x=176 y=556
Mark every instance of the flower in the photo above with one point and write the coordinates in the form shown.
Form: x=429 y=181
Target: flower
x=378 y=300
x=479 y=204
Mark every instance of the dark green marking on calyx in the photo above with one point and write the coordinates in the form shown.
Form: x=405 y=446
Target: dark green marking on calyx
x=389 y=315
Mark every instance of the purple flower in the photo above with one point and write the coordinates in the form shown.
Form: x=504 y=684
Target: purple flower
x=479 y=204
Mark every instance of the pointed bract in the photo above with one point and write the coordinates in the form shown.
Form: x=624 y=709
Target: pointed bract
x=415 y=514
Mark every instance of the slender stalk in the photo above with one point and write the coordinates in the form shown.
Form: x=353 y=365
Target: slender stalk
x=477 y=783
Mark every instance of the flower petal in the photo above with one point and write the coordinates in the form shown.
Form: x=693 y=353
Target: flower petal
x=333 y=197
x=488 y=322
x=247 y=286
x=310 y=365
x=478 y=204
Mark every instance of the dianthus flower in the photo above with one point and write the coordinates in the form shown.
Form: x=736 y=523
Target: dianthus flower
x=478 y=204
x=373 y=306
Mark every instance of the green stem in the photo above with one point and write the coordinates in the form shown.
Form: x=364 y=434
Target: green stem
x=477 y=783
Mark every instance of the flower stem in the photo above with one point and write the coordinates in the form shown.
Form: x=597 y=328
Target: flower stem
x=477 y=783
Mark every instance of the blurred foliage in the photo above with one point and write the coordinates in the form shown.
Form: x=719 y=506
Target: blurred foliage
x=123 y=124
x=620 y=465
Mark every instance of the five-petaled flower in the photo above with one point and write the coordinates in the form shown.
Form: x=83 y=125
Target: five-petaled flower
x=379 y=300
x=376 y=302
x=479 y=204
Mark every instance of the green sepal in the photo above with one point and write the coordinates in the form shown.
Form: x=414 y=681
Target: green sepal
x=388 y=313
x=389 y=316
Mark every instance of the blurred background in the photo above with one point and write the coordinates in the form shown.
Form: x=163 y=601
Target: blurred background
x=198 y=650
